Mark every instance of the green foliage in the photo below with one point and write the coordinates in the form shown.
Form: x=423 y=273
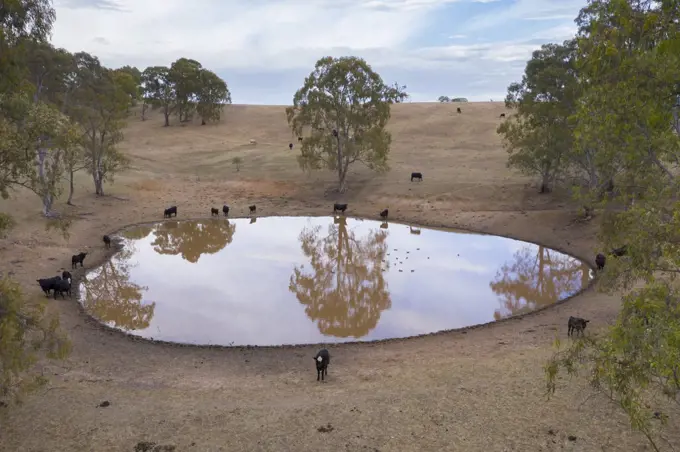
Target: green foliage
x=459 y=99
x=128 y=84
x=159 y=91
x=628 y=65
x=22 y=21
x=6 y=223
x=237 y=162
x=444 y=99
x=346 y=96
x=212 y=95
x=539 y=137
x=26 y=334
x=100 y=105
x=185 y=77
x=31 y=149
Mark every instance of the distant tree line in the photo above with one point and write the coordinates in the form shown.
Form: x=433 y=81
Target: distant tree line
x=599 y=114
x=444 y=99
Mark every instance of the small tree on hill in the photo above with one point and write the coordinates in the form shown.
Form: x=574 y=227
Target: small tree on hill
x=444 y=99
x=347 y=106
x=539 y=137
x=237 y=162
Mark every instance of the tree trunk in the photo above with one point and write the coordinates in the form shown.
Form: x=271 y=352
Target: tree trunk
x=144 y=107
x=98 y=183
x=341 y=179
x=43 y=187
x=166 y=112
x=70 y=187
x=47 y=200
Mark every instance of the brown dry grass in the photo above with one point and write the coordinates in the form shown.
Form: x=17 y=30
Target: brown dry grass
x=477 y=391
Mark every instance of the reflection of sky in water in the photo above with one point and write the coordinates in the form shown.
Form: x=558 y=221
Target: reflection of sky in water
x=240 y=294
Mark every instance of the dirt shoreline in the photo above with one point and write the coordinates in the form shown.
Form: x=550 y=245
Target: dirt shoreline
x=475 y=389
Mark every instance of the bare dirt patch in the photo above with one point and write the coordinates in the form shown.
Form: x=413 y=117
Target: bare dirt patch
x=481 y=389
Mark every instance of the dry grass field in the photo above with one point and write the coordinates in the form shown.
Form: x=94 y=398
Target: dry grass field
x=476 y=390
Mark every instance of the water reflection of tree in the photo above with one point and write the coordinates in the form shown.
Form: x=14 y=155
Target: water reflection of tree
x=345 y=292
x=137 y=232
x=112 y=298
x=537 y=277
x=191 y=239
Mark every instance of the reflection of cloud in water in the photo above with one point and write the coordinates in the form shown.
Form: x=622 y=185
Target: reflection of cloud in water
x=240 y=294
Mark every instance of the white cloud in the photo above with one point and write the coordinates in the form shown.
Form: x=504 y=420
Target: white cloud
x=285 y=38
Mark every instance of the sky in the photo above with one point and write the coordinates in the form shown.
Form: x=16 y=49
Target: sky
x=264 y=49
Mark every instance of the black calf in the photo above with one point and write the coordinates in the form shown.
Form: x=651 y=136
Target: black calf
x=107 y=241
x=384 y=213
x=252 y=208
x=170 y=211
x=225 y=210
x=322 y=359
x=214 y=212
x=62 y=286
x=618 y=252
x=576 y=324
x=600 y=260
x=416 y=176
x=339 y=207
x=77 y=259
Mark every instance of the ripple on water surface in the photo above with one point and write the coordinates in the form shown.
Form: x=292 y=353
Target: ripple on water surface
x=294 y=280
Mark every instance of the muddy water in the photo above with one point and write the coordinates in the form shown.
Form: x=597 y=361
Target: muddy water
x=294 y=280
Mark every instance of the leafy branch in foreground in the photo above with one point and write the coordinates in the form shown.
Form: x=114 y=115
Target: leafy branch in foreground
x=629 y=58
x=26 y=335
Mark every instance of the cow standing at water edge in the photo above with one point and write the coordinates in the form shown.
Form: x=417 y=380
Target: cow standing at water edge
x=322 y=360
x=167 y=213
x=339 y=207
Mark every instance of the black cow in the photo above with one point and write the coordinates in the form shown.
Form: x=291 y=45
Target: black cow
x=214 y=212
x=290 y=146
x=62 y=286
x=458 y=110
x=576 y=324
x=225 y=210
x=600 y=260
x=322 y=360
x=416 y=176
x=384 y=213
x=77 y=259
x=252 y=208
x=107 y=241
x=622 y=251
x=300 y=139
x=167 y=213
x=66 y=275
x=47 y=284
x=339 y=207
x=502 y=115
